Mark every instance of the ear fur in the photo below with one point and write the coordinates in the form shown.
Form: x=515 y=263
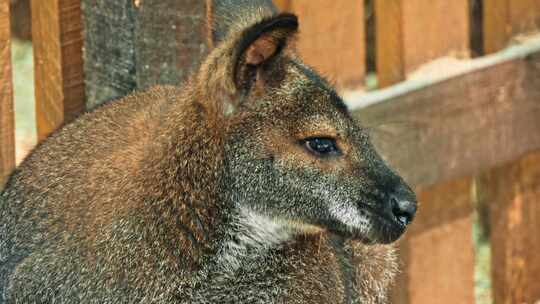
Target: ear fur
x=226 y=16
x=259 y=44
x=246 y=36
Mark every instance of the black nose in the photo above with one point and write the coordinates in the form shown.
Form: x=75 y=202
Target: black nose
x=403 y=209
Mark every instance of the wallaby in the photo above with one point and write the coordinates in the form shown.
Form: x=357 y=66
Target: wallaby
x=250 y=183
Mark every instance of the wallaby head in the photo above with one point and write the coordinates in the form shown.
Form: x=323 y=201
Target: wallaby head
x=294 y=155
x=251 y=183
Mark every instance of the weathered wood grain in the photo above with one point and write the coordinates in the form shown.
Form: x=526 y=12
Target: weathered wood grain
x=513 y=194
x=109 y=60
x=7 y=130
x=438 y=251
x=148 y=42
x=462 y=125
x=57 y=35
x=332 y=38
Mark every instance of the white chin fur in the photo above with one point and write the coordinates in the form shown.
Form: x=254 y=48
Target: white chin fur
x=352 y=218
x=254 y=233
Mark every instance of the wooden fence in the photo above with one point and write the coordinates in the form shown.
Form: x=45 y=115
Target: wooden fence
x=466 y=139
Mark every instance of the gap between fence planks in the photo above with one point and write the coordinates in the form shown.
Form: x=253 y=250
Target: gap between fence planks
x=512 y=193
x=444 y=224
x=7 y=130
x=57 y=36
x=413 y=32
x=332 y=38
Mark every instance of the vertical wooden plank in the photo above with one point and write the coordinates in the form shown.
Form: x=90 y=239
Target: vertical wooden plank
x=148 y=42
x=7 y=131
x=57 y=35
x=524 y=16
x=434 y=28
x=21 y=24
x=513 y=192
x=170 y=40
x=504 y=19
x=332 y=38
x=389 y=42
x=439 y=266
x=413 y=32
x=495 y=23
x=109 y=60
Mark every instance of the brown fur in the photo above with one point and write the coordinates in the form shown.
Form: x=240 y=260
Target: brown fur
x=207 y=193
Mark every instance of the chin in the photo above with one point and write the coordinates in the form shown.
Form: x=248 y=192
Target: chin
x=384 y=231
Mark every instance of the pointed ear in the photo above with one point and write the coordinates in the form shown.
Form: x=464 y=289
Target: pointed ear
x=259 y=44
x=226 y=16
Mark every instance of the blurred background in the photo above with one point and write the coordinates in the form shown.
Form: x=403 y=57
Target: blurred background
x=449 y=89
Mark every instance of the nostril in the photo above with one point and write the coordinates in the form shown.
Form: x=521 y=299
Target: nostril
x=403 y=210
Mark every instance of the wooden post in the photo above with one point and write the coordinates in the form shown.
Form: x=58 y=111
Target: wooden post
x=21 y=23
x=132 y=45
x=513 y=193
x=389 y=42
x=57 y=35
x=332 y=38
x=439 y=253
x=7 y=131
x=524 y=16
x=504 y=19
x=413 y=32
x=495 y=25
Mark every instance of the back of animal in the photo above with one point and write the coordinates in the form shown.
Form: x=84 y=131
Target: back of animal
x=248 y=183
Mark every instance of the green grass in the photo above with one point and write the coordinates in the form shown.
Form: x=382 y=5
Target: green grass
x=23 y=85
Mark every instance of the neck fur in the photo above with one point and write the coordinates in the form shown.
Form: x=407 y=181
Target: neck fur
x=251 y=236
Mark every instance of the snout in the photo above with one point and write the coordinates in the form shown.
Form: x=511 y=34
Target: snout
x=398 y=211
x=402 y=208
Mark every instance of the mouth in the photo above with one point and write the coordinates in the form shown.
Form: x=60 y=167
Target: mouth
x=385 y=228
x=368 y=224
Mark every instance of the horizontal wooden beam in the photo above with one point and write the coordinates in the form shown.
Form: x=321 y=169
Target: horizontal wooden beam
x=437 y=130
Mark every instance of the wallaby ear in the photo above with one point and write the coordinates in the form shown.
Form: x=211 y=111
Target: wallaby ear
x=259 y=44
x=246 y=36
x=226 y=16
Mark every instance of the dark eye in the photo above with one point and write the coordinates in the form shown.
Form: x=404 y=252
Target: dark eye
x=321 y=146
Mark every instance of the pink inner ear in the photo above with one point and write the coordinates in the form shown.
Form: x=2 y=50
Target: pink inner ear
x=260 y=50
